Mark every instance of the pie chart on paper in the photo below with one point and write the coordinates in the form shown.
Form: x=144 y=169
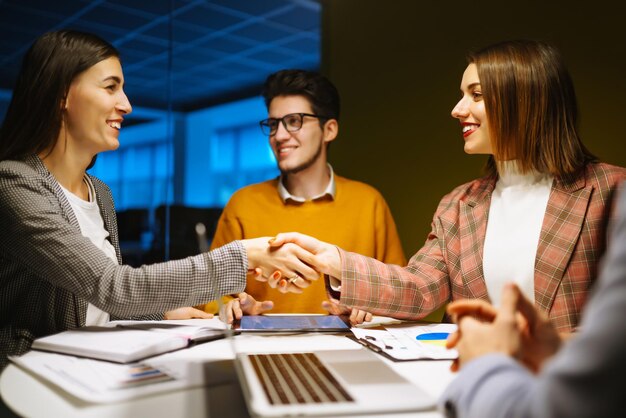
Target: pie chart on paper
x=433 y=338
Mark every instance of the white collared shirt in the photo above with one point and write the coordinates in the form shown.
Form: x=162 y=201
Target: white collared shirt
x=330 y=190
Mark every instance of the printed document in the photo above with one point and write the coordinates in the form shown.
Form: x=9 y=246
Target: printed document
x=408 y=341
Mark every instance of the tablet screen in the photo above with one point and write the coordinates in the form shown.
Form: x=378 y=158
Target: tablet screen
x=293 y=323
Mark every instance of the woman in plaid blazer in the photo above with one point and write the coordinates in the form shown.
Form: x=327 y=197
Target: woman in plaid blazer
x=60 y=264
x=539 y=217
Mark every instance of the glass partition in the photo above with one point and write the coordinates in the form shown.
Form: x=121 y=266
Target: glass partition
x=193 y=72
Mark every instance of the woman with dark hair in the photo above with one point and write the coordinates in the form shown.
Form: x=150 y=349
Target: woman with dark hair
x=60 y=264
x=538 y=218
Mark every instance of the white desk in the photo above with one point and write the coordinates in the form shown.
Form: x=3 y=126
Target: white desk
x=30 y=396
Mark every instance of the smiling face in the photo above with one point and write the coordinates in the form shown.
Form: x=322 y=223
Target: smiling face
x=305 y=148
x=95 y=107
x=470 y=111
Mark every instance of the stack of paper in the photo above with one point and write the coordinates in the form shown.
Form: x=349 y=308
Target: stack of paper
x=103 y=381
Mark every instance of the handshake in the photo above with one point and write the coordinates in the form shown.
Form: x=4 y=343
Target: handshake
x=291 y=261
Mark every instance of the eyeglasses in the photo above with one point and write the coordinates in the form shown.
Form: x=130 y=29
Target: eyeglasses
x=292 y=122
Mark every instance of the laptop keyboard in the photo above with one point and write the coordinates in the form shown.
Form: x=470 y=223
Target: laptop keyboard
x=297 y=379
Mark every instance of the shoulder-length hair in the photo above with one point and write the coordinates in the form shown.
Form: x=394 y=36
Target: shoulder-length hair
x=531 y=107
x=33 y=119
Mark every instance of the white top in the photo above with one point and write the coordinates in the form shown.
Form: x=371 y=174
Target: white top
x=518 y=205
x=92 y=226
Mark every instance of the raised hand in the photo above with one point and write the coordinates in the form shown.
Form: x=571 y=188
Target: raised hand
x=476 y=308
x=540 y=340
x=356 y=316
x=502 y=335
x=244 y=304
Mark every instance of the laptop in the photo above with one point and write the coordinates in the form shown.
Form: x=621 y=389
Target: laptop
x=325 y=383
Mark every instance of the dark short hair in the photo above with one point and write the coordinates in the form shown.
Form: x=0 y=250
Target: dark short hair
x=33 y=119
x=531 y=107
x=319 y=91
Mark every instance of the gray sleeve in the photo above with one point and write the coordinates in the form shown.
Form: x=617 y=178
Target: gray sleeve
x=36 y=235
x=492 y=386
x=584 y=379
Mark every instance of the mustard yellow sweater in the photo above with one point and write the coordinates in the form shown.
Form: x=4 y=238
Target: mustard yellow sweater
x=357 y=220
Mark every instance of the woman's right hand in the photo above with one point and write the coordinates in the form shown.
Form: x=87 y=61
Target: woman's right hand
x=320 y=255
x=286 y=261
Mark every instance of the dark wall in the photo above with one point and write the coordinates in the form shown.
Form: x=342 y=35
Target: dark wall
x=398 y=66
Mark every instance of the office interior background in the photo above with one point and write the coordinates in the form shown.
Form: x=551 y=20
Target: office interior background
x=194 y=71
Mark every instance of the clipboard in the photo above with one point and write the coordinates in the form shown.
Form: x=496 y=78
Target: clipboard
x=408 y=342
x=377 y=349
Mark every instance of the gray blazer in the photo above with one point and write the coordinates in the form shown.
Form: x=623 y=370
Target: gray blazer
x=586 y=377
x=49 y=272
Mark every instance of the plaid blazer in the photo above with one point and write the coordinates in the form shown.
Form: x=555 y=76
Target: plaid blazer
x=449 y=265
x=49 y=272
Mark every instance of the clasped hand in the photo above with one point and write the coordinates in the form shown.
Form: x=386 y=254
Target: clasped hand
x=291 y=261
x=516 y=329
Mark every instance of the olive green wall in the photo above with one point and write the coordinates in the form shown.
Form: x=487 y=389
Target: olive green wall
x=398 y=67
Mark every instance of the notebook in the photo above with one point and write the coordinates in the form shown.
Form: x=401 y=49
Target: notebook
x=128 y=341
x=325 y=383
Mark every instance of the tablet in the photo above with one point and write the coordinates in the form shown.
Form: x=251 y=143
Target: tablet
x=292 y=323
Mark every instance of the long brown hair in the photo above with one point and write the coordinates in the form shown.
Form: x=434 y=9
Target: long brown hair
x=531 y=107
x=33 y=119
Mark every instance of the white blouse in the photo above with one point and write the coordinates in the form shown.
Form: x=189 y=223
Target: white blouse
x=92 y=226
x=518 y=206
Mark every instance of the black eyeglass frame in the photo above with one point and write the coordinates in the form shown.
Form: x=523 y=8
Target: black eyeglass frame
x=266 y=127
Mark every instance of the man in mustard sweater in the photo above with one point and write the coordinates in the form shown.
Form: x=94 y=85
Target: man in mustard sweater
x=308 y=197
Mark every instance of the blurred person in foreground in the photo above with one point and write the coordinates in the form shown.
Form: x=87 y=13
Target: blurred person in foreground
x=513 y=362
